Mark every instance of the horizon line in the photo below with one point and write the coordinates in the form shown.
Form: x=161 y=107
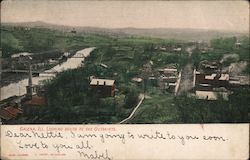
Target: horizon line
x=207 y=29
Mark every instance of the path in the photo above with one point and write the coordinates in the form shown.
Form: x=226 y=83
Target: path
x=141 y=97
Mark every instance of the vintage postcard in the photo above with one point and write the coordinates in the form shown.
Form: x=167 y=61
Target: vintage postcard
x=124 y=79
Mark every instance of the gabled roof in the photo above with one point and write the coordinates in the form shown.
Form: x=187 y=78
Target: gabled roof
x=10 y=112
x=101 y=82
x=5 y=114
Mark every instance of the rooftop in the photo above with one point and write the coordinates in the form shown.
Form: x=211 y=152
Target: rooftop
x=10 y=112
x=36 y=101
x=224 y=77
x=106 y=82
x=212 y=76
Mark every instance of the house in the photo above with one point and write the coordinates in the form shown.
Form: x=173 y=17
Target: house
x=177 y=49
x=237 y=81
x=103 y=87
x=210 y=82
x=214 y=79
x=168 y=77
x=237 y=45
x=9 y=113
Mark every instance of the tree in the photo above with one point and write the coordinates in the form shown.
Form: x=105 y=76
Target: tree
x=146 y=72
x=131 y=97
x=196 y=58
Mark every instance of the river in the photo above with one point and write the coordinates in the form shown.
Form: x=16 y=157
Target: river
x=19 y=88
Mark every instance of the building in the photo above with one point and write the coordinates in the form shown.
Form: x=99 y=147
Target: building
x=214 y=79
x=237 y=45
x=169 y=78
x=103 y=87
x=239 y=81
x=10 y=113
x=210 y=82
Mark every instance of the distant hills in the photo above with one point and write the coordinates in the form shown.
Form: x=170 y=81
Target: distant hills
x=164 y=33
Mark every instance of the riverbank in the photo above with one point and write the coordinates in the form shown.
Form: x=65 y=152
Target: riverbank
x=17 y=87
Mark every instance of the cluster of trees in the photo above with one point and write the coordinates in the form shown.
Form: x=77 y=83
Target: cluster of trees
x=236 y=109
x=226 y=44
x=188 y=109
x=223 y=46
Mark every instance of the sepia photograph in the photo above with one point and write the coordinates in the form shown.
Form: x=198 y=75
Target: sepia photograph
x=124 y=62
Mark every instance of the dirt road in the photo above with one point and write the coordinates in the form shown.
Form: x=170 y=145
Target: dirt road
x=186 y=82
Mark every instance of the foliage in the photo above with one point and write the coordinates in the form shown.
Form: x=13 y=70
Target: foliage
x=227 y=44
x=131 y=97
x=9 y=44
x=196 y=57
x=70 y=99
x=157 y=108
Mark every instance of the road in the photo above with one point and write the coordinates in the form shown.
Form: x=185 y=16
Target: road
x=186 y=82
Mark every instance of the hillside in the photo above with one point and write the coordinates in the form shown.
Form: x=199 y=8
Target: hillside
x=165 y=33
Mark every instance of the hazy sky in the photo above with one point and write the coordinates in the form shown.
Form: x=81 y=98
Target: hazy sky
x=225 y=15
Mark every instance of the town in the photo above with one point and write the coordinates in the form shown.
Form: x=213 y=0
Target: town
x=111 y=79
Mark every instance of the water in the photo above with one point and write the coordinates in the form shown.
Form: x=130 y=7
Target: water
x=19 y=88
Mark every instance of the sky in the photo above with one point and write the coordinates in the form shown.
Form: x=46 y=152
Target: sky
x=217 y=15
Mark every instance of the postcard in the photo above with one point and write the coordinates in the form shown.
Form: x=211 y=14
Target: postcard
x=124 y=79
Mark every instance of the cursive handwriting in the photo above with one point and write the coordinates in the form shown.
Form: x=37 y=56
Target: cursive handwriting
x=95 y=155
x=90 y=144
x=34 y=134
